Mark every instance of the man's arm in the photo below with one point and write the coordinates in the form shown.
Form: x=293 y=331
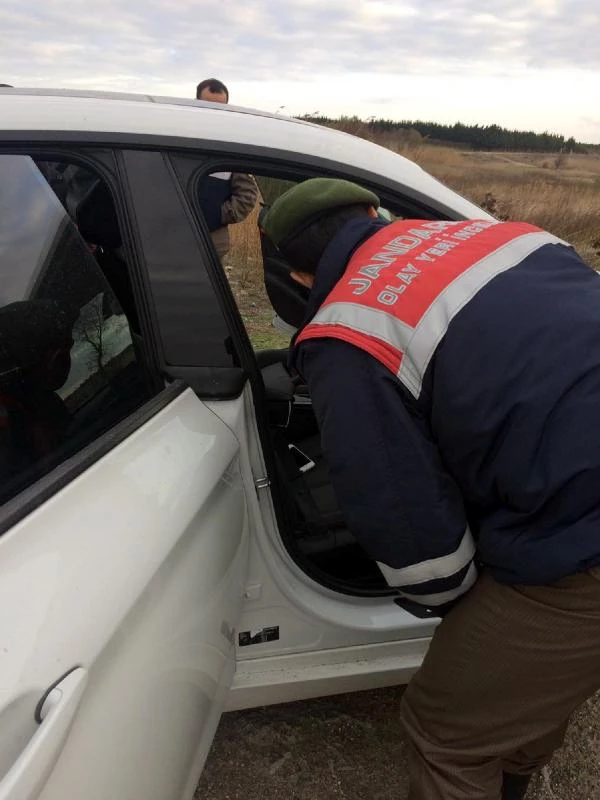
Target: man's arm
x=398 y=499
x=242 y=200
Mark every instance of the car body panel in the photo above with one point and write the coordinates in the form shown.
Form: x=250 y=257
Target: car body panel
x=317 y=673
x=134 y=571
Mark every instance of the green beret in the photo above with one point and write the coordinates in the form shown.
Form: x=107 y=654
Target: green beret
x=307 y=200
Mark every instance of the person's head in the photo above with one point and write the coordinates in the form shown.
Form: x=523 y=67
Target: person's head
x=304 y=220
x=212 y=90
x=35 y=343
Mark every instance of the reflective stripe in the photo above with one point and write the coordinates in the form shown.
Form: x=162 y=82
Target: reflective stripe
x=433 y=569
x=380 y=324
x=407 y=349
x=440 y=598
x=433 y=325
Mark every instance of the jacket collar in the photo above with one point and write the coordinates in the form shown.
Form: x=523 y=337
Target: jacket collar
x=334 y=261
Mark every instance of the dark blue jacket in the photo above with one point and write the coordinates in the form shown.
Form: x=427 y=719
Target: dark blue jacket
x=504 y=437
x=213 y=191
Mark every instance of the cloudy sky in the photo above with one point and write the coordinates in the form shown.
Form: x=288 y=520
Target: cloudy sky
x=529 y=64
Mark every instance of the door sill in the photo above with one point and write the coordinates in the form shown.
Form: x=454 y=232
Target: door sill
x=300 y=676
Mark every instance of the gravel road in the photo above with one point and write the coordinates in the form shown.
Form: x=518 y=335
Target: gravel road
x=352 y=747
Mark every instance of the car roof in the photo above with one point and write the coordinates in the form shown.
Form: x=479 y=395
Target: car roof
x=96 y=94
x=60 y=114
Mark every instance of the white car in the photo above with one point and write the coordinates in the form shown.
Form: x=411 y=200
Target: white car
x=171 y=548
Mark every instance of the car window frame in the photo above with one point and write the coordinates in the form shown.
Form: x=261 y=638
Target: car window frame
x=303 y=167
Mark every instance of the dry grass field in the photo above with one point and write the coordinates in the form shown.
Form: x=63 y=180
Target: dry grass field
x=560 y=193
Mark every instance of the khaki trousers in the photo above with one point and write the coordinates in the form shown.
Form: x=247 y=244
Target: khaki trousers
x=505 y=670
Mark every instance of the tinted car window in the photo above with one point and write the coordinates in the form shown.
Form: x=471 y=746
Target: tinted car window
x=68 y=364
x=192 y=323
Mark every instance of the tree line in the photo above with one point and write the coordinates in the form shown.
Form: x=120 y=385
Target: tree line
x=476 y=137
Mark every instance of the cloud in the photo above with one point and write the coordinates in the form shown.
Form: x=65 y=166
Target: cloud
x=167 y=46
x=290 y=39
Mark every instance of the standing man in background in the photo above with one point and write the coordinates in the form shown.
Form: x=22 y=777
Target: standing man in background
x=213 y=91
x=225 y=197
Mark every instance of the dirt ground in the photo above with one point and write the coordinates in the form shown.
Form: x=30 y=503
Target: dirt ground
x=352 y=747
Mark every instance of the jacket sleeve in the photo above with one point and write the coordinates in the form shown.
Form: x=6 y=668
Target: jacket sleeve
x=397 y=498
x=244 y=193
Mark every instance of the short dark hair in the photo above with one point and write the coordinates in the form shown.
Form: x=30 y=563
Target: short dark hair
x=214 y=86
x=6 y=86
x=304 y=249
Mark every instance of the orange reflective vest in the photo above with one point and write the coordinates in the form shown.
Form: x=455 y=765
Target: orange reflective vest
x=405 y=284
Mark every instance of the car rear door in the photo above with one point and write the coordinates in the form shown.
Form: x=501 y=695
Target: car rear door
x=124 y=530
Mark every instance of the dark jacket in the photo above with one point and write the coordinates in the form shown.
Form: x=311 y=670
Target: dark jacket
x=504 y=438
x=226 y=198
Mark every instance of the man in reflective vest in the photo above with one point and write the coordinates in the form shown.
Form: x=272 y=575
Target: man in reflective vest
x=454 y=369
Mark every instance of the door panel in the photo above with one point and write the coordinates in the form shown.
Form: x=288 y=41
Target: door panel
x=53 y=716
x=133 y=572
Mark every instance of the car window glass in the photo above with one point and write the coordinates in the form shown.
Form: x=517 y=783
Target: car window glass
x=239 y=246
x=69 y=369
x=244 y=267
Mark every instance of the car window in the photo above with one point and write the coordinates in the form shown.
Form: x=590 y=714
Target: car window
x=271 y=304
x=239 y=247
x=69 y=366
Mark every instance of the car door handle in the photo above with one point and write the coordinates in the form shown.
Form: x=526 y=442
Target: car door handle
x=54 y=714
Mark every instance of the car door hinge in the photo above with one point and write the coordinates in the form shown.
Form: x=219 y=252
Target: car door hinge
x=262 y=483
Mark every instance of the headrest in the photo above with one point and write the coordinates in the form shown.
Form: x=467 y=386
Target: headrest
x=96 y=218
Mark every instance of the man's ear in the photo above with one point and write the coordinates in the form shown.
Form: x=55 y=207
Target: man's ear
x=372 y=212
x=303 y=278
